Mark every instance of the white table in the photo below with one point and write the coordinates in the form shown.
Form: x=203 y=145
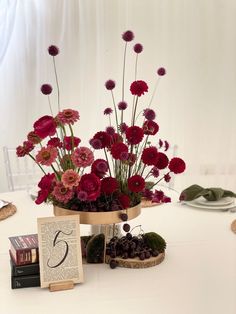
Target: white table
x=198 y=275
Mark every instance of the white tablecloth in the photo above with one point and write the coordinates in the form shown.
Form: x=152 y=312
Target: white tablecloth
x=198 y=275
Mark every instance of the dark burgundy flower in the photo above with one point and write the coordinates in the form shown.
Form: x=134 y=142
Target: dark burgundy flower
x=46 y=89
x=160 y=143
x=33 y=138
x=95 y=143
x=109 y=185
x=136 y=183
x=55 y=142
x=166 y=199
x=122 y=105
x=25 y=149
x=117 y=149
x=124 y=201
x=82 y=196
x=116 y=138
x=91 y=184
x=157 y=196
x=46 y=182
x=131 y=159
x=167 y=145
x=150 y=127
x=134 y=135
x=53 y=50
x=99 y=167
x=138 y=48
x=104 y=138
x=147 y=194
x=138 y=88
x=149 y=156
x=110 y=130
x=110 y=84
x=45 y=126
x=161 y=71
x=128 y=36
x=177 y=165
x=123 y=127
x=149 y=114
x=107 y=111
x=42 y=196
x=167 y=177
x=162 y=161
x=124 y=156
x=155 y=172
x=67 y=142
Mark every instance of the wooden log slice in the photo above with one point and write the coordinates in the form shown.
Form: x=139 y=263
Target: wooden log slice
x=233 y=226
x=7 y=211
x=136 y=262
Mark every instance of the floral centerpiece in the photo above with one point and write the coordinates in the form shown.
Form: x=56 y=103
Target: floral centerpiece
x=132 y=167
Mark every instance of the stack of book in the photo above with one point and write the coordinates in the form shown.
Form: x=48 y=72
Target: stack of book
x=24 y=260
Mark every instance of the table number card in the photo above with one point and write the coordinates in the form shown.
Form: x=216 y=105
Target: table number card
x=59 y=251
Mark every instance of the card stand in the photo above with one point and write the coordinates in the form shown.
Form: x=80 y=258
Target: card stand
x=63 y=285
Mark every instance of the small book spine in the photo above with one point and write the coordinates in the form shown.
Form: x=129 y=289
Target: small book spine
x=24 y=270
x=25 y=281
x=26 y=256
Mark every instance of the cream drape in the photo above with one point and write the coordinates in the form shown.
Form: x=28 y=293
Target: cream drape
x=194 y=40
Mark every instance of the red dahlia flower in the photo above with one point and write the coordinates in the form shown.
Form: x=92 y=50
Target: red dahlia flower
x=138 y=88
x=177 y=165
x=104 y=138
x=162 y=161
x=109 y=185
x=136 y=183
x=150 y=127
x=124 y=200
x=134 y=135
x=149 y=156
x=90 y=184
x=117 y=149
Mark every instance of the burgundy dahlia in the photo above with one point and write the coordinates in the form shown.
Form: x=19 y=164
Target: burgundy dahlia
x=134 y=135
x=109 y=185
x=117 y=149
x=138 y=88
x=136 y=183
x=90 y=184
x=177 y=165
x=128 y=36
x=150 y=127
x=162 y=161
x=53 y=50
x=124 y=201
x=149 y=156
x=104 y=138
x=46 y=89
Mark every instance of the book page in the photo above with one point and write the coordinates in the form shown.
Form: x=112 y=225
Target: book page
x=59 y=250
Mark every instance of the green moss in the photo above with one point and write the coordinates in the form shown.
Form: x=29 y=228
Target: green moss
x=95 y=249
x=155 y=241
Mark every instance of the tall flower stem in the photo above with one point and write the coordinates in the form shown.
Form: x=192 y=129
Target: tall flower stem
x=114 y=104
x=123 y=78
x=72 y=137
x=135 y=108
x=37 y=163
x=58 y=91
x=154 y=92
x=159 y=180
x=49 y=102
x=107 y=161
x=136 y=68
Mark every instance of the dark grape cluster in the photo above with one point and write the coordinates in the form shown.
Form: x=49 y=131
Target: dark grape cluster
x=129 y=246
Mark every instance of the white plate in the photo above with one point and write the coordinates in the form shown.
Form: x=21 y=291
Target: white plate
x=220 y=208
x=221 y=202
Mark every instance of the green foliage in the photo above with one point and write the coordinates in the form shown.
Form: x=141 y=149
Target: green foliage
x=95 y=249
x=155 y=241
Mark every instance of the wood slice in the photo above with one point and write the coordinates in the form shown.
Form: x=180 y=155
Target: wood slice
x=99 y=218
x=7 y=211
x=233 y=226
x=136 y=262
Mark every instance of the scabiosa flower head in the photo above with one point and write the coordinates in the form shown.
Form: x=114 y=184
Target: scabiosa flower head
x=55 y=142
x=161 y=71
x=122 y=105
x=149 y=114
x=82 y=157
x=134 y=135
x=82 y=196
x=124 y=201
x=109 y=185
x=110 y=84
x=149 y=156
x=136 y=183
x=99 y=167
x=70 y=178
x=177 y=165
x=162 y=161
x=46 y=89
x=128 y=36
x=138 y=48
x=150 y=127
x=138 y=88
x=95 y=143
x=25 y=149
x=33 y=138
x=46 y=156
x=67 y=116
x=53 y=50
x=167 y=145
x=45 y=126
x=155 y=172
x=167 y=177
x=69 y=142
x=110 y=130
x=108 y=111
x=123 y=127
x=124 y=156
x=61 y=193
x=117 y=149
x=104 y=138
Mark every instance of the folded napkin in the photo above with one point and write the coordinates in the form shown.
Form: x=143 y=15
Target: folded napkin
x=211 y=194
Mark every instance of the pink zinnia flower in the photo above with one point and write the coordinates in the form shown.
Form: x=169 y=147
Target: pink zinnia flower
x=70 y=178
x=68 y=116
x=46 y=156
x=61 y=193
x=82 y=157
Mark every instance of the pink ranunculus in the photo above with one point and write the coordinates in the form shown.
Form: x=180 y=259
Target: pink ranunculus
x=45 y=126
x=82 y=157
x=90 y=184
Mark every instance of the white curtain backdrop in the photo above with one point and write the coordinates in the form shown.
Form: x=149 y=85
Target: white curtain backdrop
x=194 y=40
